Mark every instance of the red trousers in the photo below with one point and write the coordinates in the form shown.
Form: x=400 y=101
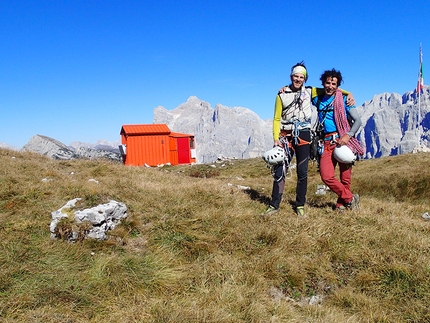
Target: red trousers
x=327 y=166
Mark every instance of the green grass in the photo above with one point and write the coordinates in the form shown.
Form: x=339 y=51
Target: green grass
x=194 y=248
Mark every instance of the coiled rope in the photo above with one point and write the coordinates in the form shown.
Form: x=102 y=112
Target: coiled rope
x=342 y=124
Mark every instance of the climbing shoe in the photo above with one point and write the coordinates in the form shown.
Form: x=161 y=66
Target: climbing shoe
x=270 y=211
x=300 y=211
x=355 y=203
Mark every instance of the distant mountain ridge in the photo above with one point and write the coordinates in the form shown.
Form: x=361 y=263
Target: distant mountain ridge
x=6 y=146
x=390 y=127
x=390 y=123
x=57 y=150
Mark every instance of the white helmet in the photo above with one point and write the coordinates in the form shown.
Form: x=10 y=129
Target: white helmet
x=344 y=154
x=274 y=156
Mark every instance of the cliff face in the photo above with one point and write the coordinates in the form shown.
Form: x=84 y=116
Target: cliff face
x=392 y=124
x=221 y=132
x=395 y=124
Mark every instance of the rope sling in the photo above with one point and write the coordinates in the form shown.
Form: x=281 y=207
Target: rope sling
x=342 y=123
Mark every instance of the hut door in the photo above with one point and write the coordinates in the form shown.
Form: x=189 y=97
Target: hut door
x=183 y=151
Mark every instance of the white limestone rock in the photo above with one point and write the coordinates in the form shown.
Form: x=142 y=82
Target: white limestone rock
x=101 y=218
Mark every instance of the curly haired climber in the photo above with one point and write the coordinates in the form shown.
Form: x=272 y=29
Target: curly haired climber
x=335 y=117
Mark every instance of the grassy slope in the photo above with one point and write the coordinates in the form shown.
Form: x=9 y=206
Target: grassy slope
x=194 y=248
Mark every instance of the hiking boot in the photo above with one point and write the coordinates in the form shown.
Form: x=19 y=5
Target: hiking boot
x=270 y=211
x=300 y=211
x=355 y=202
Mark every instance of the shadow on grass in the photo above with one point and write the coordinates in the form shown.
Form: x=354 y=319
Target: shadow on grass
x=264 y=199
x=315 y=204
x=321 y=205
x=256 y=196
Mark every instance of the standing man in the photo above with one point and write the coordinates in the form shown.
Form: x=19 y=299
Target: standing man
x=340 y=123
x=291 y=131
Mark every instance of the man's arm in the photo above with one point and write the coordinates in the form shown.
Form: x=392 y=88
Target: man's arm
x=277 y=121
x=356 y=122
x=350 y=101
x=354 y=128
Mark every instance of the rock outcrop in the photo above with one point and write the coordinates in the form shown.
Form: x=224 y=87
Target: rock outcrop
x=57 y=150
x=92 y=223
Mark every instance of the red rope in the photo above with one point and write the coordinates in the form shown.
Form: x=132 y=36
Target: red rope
x=342 y=123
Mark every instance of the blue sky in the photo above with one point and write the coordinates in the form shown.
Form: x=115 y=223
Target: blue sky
x=79 y=70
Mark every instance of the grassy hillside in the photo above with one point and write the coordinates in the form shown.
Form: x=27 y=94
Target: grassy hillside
x=194 y=248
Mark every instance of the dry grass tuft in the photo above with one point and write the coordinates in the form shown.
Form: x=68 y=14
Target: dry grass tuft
x=194 y=248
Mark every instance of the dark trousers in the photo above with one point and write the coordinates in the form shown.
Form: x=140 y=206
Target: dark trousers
x=301 y=150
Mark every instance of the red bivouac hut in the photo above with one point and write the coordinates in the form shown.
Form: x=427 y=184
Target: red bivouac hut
x=155 y=144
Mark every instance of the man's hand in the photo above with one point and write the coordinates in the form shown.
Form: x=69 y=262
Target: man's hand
x=282 y=89
x=350 y=101
x=344 y=139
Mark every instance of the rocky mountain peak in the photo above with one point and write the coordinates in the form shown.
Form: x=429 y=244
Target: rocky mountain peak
x=221 y=132
x=57 y=150
x=390 y=126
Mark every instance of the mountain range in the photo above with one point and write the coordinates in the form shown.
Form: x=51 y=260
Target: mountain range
x=392 y=124
x=395 y=124
x=57 y=150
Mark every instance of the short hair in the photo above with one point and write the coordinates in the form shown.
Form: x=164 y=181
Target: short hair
x=302 y=64
x=331 y=73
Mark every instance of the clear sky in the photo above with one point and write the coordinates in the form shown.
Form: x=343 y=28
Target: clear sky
x=78 y=70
